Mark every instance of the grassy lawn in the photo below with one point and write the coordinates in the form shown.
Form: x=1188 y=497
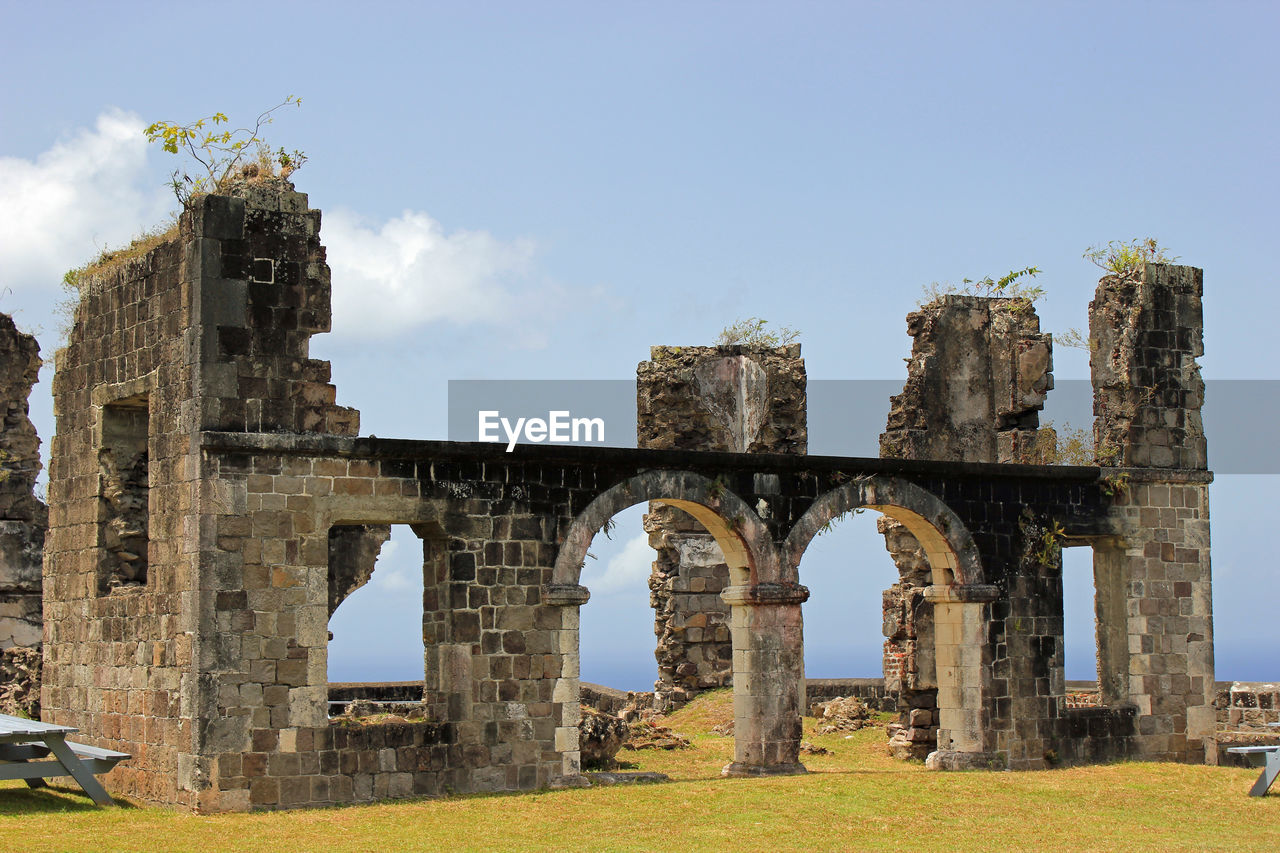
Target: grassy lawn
x=853 y=799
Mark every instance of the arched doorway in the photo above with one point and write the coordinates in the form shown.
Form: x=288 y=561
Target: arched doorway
x=957 y=593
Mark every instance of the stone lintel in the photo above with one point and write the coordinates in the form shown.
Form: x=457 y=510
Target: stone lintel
x=961 y=593
x=766 y=593
x=565 y=594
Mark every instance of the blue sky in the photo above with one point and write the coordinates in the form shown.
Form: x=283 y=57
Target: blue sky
x=543 y=191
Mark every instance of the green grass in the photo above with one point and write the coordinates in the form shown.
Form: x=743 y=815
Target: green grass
x=857 y=798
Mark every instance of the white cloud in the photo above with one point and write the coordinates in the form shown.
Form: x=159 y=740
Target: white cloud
x=83 y=194
x=395 y=570
x=409 y=272
x=628 y=570
x=94 y=190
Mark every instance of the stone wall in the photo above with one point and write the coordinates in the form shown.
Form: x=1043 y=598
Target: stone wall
x=23 y=518
x=208 y=330
x=979 y=371
x=727 y=398
x=1146 y=330
x=1153 y=581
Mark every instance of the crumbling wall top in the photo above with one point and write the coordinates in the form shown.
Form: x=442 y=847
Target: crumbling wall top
x=731 y=398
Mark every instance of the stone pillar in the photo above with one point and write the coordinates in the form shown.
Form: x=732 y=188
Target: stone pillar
x=563 y=603
x=963 y=674
x=727 y=398
x=768 y=679
x=1146 y=331
x=979 y=372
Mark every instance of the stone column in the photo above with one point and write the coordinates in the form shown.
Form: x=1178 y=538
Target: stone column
x=565 y=602
x=964 y=675
x=768 y=678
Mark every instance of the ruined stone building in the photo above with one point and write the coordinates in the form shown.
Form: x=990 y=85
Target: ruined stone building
x=210 y=505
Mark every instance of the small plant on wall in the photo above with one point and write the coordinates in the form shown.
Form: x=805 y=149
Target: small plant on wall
x=1119 y=257
x=219 y=151
x=1014 y=285
x=755 y=332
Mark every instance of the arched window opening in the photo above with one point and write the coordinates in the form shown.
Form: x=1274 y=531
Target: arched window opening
x=869 y=631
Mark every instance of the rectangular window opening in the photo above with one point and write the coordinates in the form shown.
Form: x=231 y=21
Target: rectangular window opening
x=1095 y=636
x=383 y=609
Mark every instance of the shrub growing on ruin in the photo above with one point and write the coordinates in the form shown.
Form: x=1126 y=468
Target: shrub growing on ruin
x=1119 y=258
x=755 y=333
x=219 y=152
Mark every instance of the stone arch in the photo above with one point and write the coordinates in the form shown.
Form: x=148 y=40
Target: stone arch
x=958 y=594
x=741 y=535
x=754 y=570
x=953 y=557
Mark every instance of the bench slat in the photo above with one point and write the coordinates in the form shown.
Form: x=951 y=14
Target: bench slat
x=85 y=751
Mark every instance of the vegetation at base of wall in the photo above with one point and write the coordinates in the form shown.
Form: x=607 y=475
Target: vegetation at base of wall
x=218 y=153
x=1014 y=285
x=1119 y=257
x=852 y=798
x=755 y=333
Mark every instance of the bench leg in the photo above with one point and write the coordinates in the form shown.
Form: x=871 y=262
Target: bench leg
x=1270 y=771
x=58 y=746
x=36 y=783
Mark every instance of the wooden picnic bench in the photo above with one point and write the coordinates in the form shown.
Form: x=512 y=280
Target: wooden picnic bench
x=34 y=751
x=1265 y=755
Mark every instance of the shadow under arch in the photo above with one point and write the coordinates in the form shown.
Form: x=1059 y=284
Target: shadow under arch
x=744 y=540
x=958 y=594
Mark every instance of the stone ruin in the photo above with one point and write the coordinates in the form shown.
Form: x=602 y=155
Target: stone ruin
x=211 y=505
x=23 y=521
x=728 y=399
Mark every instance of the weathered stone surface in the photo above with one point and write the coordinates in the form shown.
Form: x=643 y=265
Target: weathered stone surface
x=979 y=368
x=600 y=737
x=731 y=398
x=20 y=681
x=945 y=759
x=23 y=517
x=979 y=372
x=353 y=551
x=1146 y=330
x=843 y=714
x=649 y=732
